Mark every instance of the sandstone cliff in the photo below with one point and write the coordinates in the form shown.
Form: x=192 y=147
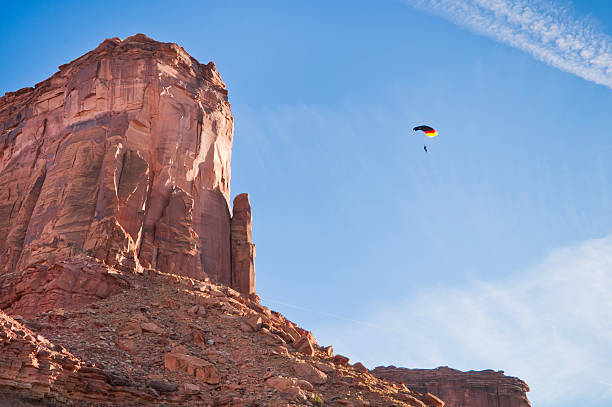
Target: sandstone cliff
x=486 y=388
x=122 y=155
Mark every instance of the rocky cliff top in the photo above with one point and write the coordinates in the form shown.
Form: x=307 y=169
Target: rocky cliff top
x=487 y=375
x=136 y=46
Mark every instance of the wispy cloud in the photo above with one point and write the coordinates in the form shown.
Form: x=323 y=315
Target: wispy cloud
x=542 y=28
x=550 y=325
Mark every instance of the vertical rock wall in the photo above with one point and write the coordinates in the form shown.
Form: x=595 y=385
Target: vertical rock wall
x=123 y=155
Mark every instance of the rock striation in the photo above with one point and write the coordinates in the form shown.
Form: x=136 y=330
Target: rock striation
x=123 y=155
x=485 y=388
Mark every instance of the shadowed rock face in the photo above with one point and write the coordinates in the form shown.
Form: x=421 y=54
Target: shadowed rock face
x=486 y=388
x=122 y=155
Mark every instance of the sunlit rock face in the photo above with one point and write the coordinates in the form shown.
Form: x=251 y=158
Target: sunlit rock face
x=122 y=155
x=486 y=388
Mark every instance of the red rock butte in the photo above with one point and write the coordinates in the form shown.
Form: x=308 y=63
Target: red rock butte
x=123 y=155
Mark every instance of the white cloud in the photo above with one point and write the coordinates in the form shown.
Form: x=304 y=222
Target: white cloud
x=542 y=28
x=550 y=325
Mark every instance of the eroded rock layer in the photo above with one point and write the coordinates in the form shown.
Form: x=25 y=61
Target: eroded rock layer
x=123 y=155
x=485 y=388
x=68 y=284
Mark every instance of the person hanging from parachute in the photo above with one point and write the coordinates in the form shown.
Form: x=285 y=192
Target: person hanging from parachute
x=429 y=132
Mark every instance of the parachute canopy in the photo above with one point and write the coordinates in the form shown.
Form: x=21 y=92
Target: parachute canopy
x=429 y=131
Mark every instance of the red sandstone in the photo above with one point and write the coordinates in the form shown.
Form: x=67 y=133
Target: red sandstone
x=486 y=388
x=123 y=155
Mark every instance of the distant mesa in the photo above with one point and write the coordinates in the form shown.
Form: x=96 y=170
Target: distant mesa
x=485 y=388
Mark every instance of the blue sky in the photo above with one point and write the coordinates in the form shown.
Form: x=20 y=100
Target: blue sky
x=493 y=250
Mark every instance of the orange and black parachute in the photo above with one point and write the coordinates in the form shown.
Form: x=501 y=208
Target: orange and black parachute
x=429 y=131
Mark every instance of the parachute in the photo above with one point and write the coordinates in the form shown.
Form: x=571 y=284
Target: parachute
x=429 y=131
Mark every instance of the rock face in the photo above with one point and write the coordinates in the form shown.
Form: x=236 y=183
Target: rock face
x=123 y=155
x=243 y=249
x=67 y=284
x=485 y=388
